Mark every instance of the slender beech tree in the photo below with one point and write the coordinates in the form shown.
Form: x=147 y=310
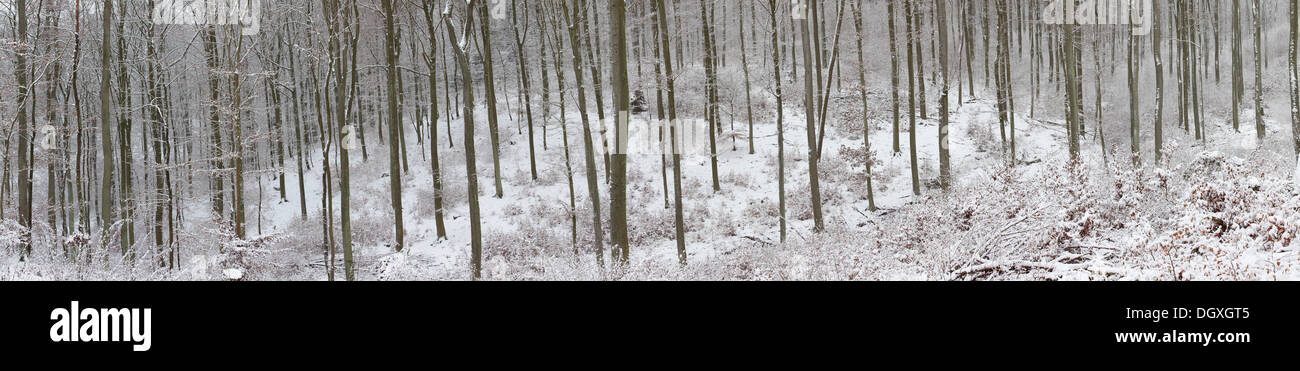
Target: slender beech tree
x=158 y=128
x=238 y=140
x=546 y=75
x=622 y=108
x=585 y=23
x=744 y=64
x=106 y=214
x=489 y=90
x=911 y=92
x=395 y=121
x=1134 y=101
x=1072 y=100
x=125 y=174
x=825 y=95
x=669 y=77
x=1237 y=85
x=341 y=40
x=216 y=165
x=556 y=47
x=1004 y=76
x=866 y=121
x=945 y=170
x=893 y=74
x=1259 y=69
x=1158 y=124
x=593 y=190
x=431 y=60
x=459 y=46
x=780 y=116
x=710 y=85
x=24 y=134
x=521 y=36
x=327 y=140
x=1295 y=75
x=297 y=123
x=660 y=113
x=83 y=199
x=1000 y=85
x=800 y=14
x=915 y=31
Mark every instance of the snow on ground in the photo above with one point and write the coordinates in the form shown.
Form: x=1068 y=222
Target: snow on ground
x=732 y=234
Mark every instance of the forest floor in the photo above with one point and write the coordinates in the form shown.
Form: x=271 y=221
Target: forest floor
x=1040 y=220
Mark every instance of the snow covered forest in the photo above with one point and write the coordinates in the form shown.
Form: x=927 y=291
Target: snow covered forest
x=649 y=140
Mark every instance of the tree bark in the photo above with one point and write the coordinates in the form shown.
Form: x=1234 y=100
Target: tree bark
x=678 y=220
x=394 y=122
x=618 y=185
x=489 y=91
x=593 y=190
x=800 y=15
x=471 y=171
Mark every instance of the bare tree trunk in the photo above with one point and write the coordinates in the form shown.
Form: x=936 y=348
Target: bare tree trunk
x=593 y=190
x=622 y=101
x=238 y=206
x=660 y=113
x=1295 y=74
x=866 y=122
x=678 y=220
x=218 y=151
x=1135 y=115
x=471 y=171
x=125 y=187
x=1071 y=87
x=1259 y=73
x=911 y=91
x=297 y=127
x=556 y=47
x=83 y=199
x=526 y=85
x=106 y=215
x=893 y=75
x=744 y=63
x=24 y=133
x=585 y=23
x=1158 y=125
x=914 y=33
x=800 y=15
x=436 y=170
x=1236 y=66
x=945 y=171
x=489 y=91
x=711 y=82
x=158 y=125
x=780 y=115
x=338 y=19
x=395 y=121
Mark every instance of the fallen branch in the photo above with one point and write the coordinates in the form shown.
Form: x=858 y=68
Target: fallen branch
x=1078 y=247
x=1011 y=266
x=756 y=239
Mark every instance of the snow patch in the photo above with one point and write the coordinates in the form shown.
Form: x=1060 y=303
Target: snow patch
x=233 y=274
